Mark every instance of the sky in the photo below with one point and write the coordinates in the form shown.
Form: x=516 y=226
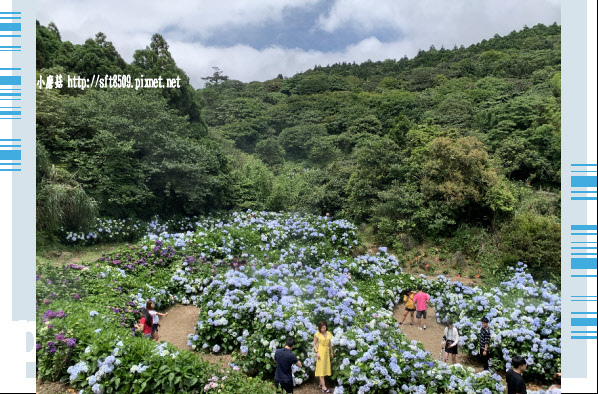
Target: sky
x=255 y=40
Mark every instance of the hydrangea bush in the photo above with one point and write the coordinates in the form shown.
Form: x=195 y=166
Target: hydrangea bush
x=525 y=320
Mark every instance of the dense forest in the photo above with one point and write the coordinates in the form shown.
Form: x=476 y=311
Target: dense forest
x=458 y=148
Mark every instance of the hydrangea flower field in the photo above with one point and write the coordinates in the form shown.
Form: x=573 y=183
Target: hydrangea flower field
x=296 y=271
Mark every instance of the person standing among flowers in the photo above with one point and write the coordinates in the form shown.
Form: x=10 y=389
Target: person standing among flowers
x=151 y=308
x=145 y=324
x=285 y=359
x=515 y=382
x=421 y=305
x=485 y=343
x=409 y=305
x=451 y=339
x=323 y=347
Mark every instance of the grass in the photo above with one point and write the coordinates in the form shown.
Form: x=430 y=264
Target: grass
x=63 y=254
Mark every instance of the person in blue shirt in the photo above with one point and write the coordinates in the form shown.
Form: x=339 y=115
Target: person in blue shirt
x=285 y=359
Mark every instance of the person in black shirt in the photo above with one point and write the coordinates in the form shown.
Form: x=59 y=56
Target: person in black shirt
x=485 y=343
x=284 y=358
x=515 y=383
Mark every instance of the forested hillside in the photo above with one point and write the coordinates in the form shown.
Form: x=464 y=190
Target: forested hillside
x=458 y=148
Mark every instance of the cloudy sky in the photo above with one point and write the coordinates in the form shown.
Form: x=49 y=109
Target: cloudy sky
x=258 y=39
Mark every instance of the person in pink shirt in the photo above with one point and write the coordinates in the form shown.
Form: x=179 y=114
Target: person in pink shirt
x=421 y=304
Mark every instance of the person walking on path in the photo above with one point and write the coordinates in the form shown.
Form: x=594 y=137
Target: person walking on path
x=409 y=305
x=451 y=339
x=485 y=344
x=515 y=382
x=421 y=305
x=323 y=348
x=556 y=387
x=151 y=308
x=145 y=324
x=285 y=359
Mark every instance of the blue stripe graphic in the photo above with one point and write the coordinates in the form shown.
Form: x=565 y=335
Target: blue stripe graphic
x=584 y=227
x=10 y=80
x=583 y=264
x=10 y=155
x=583 y=322
x=583 y=181
x=10 y=27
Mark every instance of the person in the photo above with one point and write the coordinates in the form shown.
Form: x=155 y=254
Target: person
x=285 y=359
x=556 y=387
x=485 y=344
x=145 y=324
x=515 y=382
x=421 y=304
x=151 y=308
x=451 y=340
x=409 y=305
x=234 y=263
x=323 y=347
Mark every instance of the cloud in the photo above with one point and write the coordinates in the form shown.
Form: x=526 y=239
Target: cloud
x=248 y=64
x=193 y=18
x=434 y=22
x=187 y=25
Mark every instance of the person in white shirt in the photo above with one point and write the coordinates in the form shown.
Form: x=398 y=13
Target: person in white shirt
x=151 y=308
x=451 y=340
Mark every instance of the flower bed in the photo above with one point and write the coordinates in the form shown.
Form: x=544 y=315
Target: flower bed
x=295 y=272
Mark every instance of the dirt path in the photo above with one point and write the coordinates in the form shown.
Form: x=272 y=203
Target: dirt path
x=181 y=321
x=430 y=337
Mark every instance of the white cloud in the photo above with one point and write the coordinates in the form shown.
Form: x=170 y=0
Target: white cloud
x=249 y=64
x=201 y=18
x=427 y=22
x=130 y=25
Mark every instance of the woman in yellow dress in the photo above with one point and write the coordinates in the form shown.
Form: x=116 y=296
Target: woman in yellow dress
x=323 y=348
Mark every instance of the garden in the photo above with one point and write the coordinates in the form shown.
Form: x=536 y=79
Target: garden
x=292 y=272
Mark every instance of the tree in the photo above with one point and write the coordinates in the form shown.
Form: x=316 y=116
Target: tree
x=216 y=78
x=457 y=171
x=156 y=61
x=61 y=202
x=297 y=141
x=135 y=156
x=270 y=151
x=377 y=165
x=47 y=45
